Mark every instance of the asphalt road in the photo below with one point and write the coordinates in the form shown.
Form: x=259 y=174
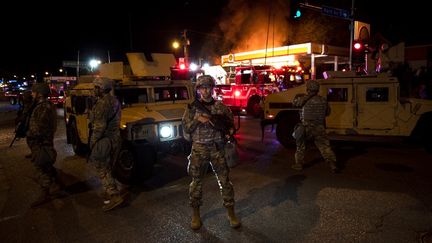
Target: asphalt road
x=384 y=194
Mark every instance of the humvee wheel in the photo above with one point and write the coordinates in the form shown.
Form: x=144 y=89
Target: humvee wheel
x=124 y=166
x=78 y=147
x=284 y=129
x=134 y=163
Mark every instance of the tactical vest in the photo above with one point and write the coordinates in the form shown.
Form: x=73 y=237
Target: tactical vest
x=206 y=133
x=110 y=107
x=314 y=110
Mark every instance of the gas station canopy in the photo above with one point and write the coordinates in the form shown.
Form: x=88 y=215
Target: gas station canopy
x=309 y=53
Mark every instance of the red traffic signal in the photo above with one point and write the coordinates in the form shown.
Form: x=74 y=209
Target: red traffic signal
x=358 y=46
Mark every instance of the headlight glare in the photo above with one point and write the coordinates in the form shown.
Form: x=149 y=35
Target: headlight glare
x=166 y=131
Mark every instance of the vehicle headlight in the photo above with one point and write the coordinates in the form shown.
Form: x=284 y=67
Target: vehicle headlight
x=166 y=131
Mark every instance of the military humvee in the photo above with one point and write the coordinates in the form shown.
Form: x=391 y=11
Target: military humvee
x=151 y=114
x=361 y=106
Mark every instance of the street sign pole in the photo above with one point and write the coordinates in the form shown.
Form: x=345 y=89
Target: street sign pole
x=77 y=69
x=351 y=35
x=339 y=13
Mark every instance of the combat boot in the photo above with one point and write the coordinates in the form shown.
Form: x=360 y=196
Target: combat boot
x=333 y=167
x=297 y=166
x=114 y=201
x=43 y=198
x=56 y=190
x=196 y=219
x=234 y=222
x=106 y=198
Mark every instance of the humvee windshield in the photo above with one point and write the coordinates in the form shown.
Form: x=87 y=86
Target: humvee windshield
x=171 y=93
x=132 y=96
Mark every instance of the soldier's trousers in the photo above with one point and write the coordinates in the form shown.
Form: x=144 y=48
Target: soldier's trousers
x=104 y=171
x=103 y=153
x=43 y=158
x=317 y=134
x=201 y=155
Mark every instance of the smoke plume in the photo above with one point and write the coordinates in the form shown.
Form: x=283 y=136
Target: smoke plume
x=251 y=25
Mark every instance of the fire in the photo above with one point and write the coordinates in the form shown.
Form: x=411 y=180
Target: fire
x=257 y=25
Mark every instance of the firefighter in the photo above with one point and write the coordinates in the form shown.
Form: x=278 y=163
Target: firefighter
x=208 y=146
x=312 y=115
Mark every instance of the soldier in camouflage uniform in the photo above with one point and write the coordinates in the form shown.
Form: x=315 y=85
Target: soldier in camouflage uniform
x=208 y=146
x=105 y=139
x=314 y=110
x=40 y=138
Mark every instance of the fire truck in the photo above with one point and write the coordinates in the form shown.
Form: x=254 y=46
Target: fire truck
x=252 y=83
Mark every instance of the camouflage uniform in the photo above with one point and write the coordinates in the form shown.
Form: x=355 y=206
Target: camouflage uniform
x=207 y=146
x=314 y=110
x=40 y=136
x=105 y=139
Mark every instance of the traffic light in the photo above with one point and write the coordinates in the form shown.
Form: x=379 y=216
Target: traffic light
x=359 y=53
x=295 y=10
x=358 y=46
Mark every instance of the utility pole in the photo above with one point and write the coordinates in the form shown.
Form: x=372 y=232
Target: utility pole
x=186 y=44
x=351 y=35
x=78 y=65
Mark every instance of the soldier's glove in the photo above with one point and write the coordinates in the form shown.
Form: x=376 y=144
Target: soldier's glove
x=298 y=100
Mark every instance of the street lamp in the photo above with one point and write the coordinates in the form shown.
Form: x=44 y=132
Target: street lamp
x=175 y=44
x=63 y=71
x=94 y=64
x=185 y=43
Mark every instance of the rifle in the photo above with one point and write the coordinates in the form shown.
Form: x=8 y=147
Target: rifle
x=219 y=122
x=21 y=128
x=23 y=124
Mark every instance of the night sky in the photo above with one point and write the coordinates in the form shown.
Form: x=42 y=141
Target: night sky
x=38 y=38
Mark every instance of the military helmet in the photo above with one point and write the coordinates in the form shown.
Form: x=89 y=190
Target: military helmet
x=41 y=88
x=312 y=86
x=103 y=83
x=205 y=81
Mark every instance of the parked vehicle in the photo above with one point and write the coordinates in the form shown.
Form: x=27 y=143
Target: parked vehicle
x=151 y=116
x=361 y=106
